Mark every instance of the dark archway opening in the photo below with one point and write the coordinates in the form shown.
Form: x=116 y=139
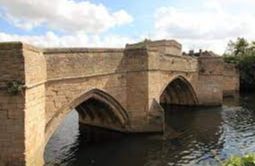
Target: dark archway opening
x=94 y=112
x=177 y=97
x=96 y=120
x=178 y=93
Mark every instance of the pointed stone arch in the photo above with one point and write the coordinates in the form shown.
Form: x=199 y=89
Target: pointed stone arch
x=179 y=91
x=104 y=99
x=84 y=104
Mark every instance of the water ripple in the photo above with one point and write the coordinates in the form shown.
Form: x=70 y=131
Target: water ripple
x=206 y=136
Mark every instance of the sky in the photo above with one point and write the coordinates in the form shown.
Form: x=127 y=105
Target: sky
x=205 y=24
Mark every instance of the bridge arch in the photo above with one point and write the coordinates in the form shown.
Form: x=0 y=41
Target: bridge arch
x=95 y=108
x=99 y=104
x=179 y=91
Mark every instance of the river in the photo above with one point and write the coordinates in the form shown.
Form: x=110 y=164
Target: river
x=202 y=136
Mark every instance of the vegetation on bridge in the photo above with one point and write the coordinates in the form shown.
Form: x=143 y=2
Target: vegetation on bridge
x=242 y=53
x=14 y=87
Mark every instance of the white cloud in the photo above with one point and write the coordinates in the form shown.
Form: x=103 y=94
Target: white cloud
x=202 y=24
x=50 y=39
x=64 y=15
x=209 y=26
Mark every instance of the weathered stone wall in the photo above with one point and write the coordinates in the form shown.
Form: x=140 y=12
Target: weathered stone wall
x=35 y=76
x=56 y=79
x=137 y=87
x=164 y=68
x=163 y=47
x=210 y=80
x=67 y=69
x=231 y=79
x=73 y=72
x=12 y=107
x=22 y=115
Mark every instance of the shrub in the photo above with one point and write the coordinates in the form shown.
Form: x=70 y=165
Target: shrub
x=246 y=160
x=242 y=53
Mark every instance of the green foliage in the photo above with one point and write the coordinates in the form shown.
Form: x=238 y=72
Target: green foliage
x=232 y=59
x=247 y=160
x=141 y=44
x=238 y=47
x=14 y=87
x=247 y=72
x=242 y=53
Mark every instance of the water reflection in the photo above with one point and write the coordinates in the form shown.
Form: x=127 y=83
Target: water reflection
x=62 y=146
x=197 y=137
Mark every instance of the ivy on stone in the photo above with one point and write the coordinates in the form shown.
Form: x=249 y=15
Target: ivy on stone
x=14 y=87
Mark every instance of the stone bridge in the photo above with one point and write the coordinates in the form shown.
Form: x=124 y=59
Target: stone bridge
x=118 y=89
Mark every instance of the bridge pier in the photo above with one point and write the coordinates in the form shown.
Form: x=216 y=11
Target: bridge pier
x=22 y=105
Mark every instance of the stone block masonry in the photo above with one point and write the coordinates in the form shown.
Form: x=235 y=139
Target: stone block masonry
x=117 y=89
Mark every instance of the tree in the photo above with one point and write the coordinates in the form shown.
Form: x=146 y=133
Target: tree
x=238 y=47
x=242 y=53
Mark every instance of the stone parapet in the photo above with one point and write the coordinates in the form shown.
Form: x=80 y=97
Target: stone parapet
x=171 y=47
x=81 y=50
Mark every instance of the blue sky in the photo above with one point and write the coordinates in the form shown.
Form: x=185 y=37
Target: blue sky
x=196 y=24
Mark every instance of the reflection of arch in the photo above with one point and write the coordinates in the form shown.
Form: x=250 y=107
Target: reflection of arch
x=93 y=97
x=179 y=92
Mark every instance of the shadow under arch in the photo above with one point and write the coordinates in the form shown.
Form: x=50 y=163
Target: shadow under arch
x=178 y=91
x=93 y=108
x=178 y=94
x=105 y=99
